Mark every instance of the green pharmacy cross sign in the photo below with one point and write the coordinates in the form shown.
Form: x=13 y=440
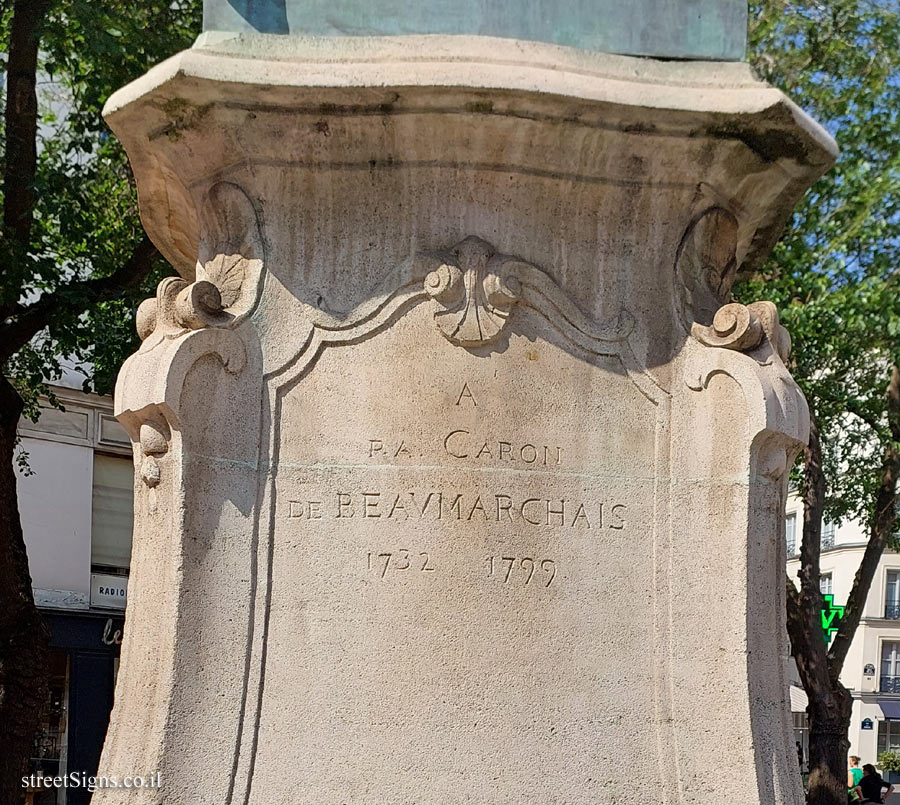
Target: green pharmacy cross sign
x=831 y=614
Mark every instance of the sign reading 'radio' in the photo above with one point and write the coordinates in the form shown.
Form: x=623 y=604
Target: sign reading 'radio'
x=108 y=592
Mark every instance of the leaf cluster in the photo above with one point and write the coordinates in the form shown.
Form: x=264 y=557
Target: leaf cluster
x=85 y=217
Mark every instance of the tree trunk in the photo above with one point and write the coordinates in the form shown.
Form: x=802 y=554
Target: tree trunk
x=23 y=636
x=829 y=724
x=830 y=703
x=21 y=120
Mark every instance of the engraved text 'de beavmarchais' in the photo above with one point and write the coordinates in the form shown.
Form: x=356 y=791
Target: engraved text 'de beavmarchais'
x=455 y=506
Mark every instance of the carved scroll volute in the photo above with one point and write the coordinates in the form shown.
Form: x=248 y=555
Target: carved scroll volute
x=705 y=268
x=179 y=307
x=187 y=320
x=473 y=294
x=778 y=414
x=744 y=328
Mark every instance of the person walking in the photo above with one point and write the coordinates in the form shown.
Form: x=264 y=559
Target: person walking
x=854 y=775
x=871 y=784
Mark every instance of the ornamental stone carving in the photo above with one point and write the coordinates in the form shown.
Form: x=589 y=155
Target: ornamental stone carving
x=474 y=298
x=743 y=328
x=475 y=291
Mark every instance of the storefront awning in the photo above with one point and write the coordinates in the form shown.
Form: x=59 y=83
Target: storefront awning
x=799 y=700
x=890 y=708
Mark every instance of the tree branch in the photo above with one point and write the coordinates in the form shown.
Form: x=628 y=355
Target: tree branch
x=814 y=486
x=74 y=297
x=20 y=159
x=793 y=603
x=854 y=408
x=804 y=605
x=884 y=521
x=893 y=403
x=807 y=645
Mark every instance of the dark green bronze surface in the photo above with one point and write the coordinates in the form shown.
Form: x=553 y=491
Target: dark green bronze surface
x=679 y=29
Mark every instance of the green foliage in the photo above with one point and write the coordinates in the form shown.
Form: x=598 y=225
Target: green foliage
x=835 y=275
x=889 y=761
x=86 y=219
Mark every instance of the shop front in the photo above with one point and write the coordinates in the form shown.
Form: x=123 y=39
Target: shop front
x=84 y=660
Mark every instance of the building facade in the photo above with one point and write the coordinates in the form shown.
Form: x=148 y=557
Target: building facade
x=872 y=668
x=75 y=500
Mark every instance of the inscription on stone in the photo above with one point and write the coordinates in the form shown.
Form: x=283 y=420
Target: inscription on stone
x=399 y=559
x=433 y=518
x=508 y=564
x=460 y=443
x=498 y=507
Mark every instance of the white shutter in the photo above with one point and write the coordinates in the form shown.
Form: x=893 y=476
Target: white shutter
x=890 y=658
x=799 y=700
x=112 y=511
x=790 y=533
x=892 y=596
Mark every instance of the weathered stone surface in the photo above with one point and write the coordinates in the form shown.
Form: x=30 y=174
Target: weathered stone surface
x=458 y=480
x=677 y=29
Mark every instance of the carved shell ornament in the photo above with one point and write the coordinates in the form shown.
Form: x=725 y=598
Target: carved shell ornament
x=475 y=290
x=705 y=264
x=475 y=296
x=705 y=268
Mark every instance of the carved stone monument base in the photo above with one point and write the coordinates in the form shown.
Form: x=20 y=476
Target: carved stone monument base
x=458 y=478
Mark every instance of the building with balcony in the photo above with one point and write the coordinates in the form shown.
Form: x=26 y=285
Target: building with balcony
x=872 y=669
x=76 y=509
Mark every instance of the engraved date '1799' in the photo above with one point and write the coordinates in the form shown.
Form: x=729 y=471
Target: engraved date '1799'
x=522 y=570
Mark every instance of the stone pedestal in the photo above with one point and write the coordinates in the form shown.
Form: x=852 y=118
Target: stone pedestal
x=458 y=478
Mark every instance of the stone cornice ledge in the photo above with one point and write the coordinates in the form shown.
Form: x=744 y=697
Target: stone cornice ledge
x=478 y=62
x=197 y=94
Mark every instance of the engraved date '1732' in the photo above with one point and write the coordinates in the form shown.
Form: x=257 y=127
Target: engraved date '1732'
x=399 y=560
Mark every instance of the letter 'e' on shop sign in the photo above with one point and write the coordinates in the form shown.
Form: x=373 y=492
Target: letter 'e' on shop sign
x=867 y=723
x=108 y=592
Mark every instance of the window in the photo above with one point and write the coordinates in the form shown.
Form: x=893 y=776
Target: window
x=890 y=669
x=888 y=736
x=892 y=595
x=825 y=585
x=801 y=736
x=112 y=512
x=790 y=533
x=827 y=535
x=48 y=754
